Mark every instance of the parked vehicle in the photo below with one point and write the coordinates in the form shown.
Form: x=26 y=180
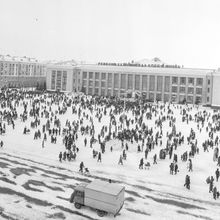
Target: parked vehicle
x=103 y=196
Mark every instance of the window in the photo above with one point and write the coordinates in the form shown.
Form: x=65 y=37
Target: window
x=190 y=99
x=207 y=99
x=103 y=76
x=97 y=76
x=199 y=91
x=96 y=83
x=109 y=92
x=58 y=84
x=90 y=91
x=208 y=90
x=208 y=81
x=159 y=83
x=151 y=97
x=90 y=83
x=64 y=82
x=174 y=98
x=122 y=93
x=167 y=84
x=158 y=97
x=84 y=83
x=174 y=80
x=182 y=80
x=182 y=89
x=130 y=81
x=115 y=92
x=103 y=84
x=123 y=81
x=53 y=79
x=191 y=81
x=182 y=99
x=137 y=82
x=103 y=92
x=152 y=83
x=190 y=90
x=166 y=98
x=109 y=80
x=84 y=75
x=198 y=99
x=96 y=91
x=174 y=89
x=79 y=193
x=90 y=75
x=144 y=83
x=199 y=81
x=116 y=80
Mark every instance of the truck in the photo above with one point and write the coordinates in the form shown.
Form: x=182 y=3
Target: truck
x=104 y=196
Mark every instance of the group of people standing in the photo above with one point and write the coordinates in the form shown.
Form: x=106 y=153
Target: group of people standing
x=150 y=128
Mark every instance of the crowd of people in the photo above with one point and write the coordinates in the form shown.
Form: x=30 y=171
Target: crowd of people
x=127 y=125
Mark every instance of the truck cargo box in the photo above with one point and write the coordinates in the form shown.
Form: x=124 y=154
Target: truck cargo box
x=104 y=196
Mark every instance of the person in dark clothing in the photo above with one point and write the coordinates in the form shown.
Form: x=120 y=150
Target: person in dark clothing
x=81 y=166
x=171 y=168
x=60 y=157
x=146 y=153
x=217 y=174
x=218 y=164
x=64 y=155
x=155 y=159
x=85 y=142
x=176 y=168
x=187 y=182
x=211 y=184
x=214 y=193
x=141 y=164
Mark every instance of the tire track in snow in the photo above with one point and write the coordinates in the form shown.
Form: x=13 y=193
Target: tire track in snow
x=89 y=178
x=39 y=202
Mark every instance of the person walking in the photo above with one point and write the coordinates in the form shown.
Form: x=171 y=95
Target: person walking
x=214 y=193
x=211 y=184
x=217 y=174
x=60 y=156
x=155 y=159
x=187 y=182
x=176 y=168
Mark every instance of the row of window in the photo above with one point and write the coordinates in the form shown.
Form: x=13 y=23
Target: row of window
x=21 y=69
x=159 y=86
x=190 y=90
x=108 y=91
x=175 y=79
x=152 y=96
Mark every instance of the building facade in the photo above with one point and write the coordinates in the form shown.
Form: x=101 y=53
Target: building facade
x=21 y=72
x=154 y=83
x=65 y=78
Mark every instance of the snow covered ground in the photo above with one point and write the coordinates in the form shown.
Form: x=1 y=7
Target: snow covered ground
x=35 y=185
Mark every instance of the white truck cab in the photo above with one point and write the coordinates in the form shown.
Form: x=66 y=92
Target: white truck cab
x=103 y=196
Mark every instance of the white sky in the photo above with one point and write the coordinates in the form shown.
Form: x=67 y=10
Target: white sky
x=185 y=32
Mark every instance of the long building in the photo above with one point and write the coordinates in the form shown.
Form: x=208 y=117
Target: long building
x=21 y=72
x=162 y=83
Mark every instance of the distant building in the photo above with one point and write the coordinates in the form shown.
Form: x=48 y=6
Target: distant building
x=21 y=72
x=157 y=81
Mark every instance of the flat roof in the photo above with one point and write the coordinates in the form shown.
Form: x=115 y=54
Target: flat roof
x=105 y=187
x=153 y=70
x=24 y=59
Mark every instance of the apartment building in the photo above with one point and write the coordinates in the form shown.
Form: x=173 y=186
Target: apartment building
x=21 y=72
